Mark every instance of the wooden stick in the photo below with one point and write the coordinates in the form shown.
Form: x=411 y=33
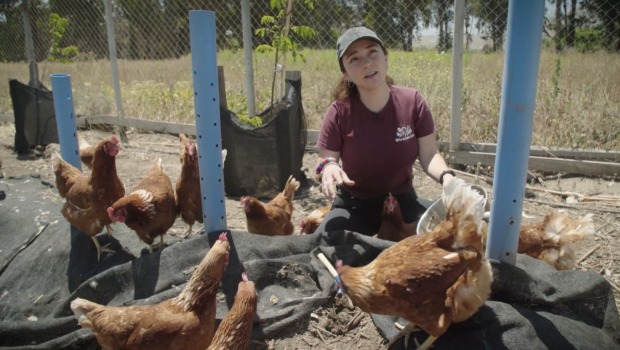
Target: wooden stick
x=581 y=196
x=333 y=271
x=588 y=254
x=327 y=264
x=578 y=207
x=613 y=284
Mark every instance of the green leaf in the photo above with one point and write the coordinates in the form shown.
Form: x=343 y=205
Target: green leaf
x=267 y=20
x=264 y=48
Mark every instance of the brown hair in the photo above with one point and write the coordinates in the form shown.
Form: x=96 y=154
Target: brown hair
x=342 y=91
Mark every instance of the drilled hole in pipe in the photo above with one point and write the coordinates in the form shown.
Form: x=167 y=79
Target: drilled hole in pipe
x=195 y=93
x=214 y=99
x=211 y=84
x=217 y=146
x=197 y=115
x=507 y=253
x=214 y=124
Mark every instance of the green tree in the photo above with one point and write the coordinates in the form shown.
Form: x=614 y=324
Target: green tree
x=605 y=16
x=443 y=16
x=87 y=25
x=277 y=29
x=492 y=20
x=383 y=17
x=414 y=15
x=57 y=28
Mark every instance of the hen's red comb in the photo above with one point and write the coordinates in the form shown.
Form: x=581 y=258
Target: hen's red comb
x=244 y=277
x=223 y=237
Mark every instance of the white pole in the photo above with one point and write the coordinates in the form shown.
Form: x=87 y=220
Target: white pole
x=457 y=73
x=109 y=24
x=247 y=50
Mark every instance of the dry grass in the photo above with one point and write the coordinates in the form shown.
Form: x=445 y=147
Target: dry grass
x=578 y=100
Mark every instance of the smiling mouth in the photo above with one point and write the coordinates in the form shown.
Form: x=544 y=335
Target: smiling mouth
x=371 y=75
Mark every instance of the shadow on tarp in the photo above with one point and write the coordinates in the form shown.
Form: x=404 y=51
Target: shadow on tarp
x=532 y=305
x=35 y=120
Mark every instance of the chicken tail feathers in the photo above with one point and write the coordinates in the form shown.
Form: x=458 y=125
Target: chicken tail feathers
x=461 y=197
x=466 y=209
x=80 y=308
x=291 y=186
x=561 y=229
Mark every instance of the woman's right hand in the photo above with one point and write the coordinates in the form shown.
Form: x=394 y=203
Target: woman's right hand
x=333 y=176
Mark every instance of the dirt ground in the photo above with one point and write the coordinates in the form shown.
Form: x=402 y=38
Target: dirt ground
x=337 y=326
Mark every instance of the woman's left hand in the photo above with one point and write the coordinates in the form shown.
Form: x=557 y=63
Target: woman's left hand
x=333 y=176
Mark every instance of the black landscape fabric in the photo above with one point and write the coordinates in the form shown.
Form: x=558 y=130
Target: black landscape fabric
x=44 y=265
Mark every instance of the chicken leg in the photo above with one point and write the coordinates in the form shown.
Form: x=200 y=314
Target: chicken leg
x=100 y=248
x=159 y=246
x=406 y=331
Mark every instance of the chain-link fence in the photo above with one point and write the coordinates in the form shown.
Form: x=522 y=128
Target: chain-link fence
x=155 y=34
x=159 y=29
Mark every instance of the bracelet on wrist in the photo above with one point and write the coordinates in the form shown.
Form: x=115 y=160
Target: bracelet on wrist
x=322 y=164
x=448 y=171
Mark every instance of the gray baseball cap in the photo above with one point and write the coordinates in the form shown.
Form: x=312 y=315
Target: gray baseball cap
x=352 y=35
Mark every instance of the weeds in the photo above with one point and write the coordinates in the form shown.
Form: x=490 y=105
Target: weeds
x=577 y=103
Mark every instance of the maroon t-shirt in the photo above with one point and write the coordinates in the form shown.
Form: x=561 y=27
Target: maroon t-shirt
x=378 y=149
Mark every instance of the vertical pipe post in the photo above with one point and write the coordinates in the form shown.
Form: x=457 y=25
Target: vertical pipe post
x=522 y=58
x=30 y=55
x=457 y=74
x=246 y=23
x=109 y=25
x=206 y=103
x=65 y=119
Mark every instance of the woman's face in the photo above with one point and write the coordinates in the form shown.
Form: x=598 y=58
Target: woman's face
x=365 y=64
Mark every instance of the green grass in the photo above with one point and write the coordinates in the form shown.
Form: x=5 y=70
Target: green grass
x=577 y=106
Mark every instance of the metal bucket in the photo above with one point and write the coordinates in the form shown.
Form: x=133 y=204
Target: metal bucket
x=437 y=212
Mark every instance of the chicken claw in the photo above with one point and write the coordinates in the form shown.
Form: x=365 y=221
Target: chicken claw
x=100 y=248
x=406 y=331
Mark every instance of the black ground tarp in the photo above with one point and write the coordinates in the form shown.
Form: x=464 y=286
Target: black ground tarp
x=43 y=266
x=35 y=121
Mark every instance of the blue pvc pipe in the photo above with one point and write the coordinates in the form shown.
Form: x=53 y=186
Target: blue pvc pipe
x=207 y=107
x=523 y=41
x=65 y=119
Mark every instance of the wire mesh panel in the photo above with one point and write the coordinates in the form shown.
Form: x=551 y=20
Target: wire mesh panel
x=152 y=39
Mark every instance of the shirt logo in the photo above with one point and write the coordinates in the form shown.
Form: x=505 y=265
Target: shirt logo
x=404 y=133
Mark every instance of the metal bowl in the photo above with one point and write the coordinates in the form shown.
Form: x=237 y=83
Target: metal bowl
x=437 y=212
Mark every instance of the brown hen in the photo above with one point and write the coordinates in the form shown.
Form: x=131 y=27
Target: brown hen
x=272 y=218
x=235 y=331
x=186 y=322
x=150 y=209
x=393 y=227
x=433 y=279
x=310 y=223
x=551 y=240
x=189 y=201
x=88 y=197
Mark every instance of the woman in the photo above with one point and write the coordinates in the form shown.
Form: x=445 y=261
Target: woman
x=377 y=130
